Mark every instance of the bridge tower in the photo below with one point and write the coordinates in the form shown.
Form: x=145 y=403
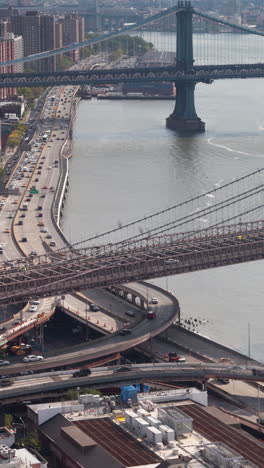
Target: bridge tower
x=184 y=117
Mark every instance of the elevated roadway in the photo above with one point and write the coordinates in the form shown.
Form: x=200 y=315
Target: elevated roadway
x=139 y=373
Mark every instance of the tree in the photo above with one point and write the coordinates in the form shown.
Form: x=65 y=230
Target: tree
x=32 y=440
x=8 y=421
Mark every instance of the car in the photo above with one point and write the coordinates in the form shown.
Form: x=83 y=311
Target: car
x=36 y=180
x=52 y=243
x=154 y=300
x=33 y=253
x=39 y=172
x=33 y=308
x=223 y=381
x=4 y=363
x=125 y=331
x=6 y=382
x=130 y=313
x=174 y=357
x=7 y=231
x=41 y=224
x=82 y=373
x=32 y=358
x=43 y=195
x=49 y=167
x=35 y=302
x=43 y=229
x=20 y=222
x=94 y=307
x=40 y=215
x=23 y=215
x=181 y=359
x=10 y=216
x=49 y=236
x=122 y=369
x=24 y=239
x=45 y=187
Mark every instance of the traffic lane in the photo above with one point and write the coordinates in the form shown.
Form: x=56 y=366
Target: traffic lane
x=111 y=302
x=102 y=320
x=10 y=248
x=147 y=291
x=32 y=219
x=160 y=349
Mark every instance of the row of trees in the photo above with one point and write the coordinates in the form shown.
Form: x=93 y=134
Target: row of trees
x=17 y=135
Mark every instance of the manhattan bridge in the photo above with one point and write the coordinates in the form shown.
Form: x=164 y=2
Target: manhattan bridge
x=191 y=50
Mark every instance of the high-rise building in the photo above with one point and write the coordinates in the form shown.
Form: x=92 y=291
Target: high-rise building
x=73 y=32
x=11 y=47
x=38 y=32
x=3 y=27
x=47 y=42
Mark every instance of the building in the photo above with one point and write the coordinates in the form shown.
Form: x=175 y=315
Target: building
x=109 y=446
x=172 y=428
x=73 y=32
x=22 y=458
x=38 y=32
x=11 y=47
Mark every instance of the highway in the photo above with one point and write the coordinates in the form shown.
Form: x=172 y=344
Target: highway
x=109 y=376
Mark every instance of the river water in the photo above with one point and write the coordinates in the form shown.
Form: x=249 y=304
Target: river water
x=126 y=164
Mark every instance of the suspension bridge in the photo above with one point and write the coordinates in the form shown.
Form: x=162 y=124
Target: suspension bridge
x=193 y=48
x=218 y=228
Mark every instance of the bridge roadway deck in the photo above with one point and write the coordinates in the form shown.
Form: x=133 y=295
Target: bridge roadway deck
x=103 y=377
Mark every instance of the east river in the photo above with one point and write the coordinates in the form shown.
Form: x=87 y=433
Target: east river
x=126 y=164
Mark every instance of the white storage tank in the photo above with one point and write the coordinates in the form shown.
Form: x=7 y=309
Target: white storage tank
x=168 y=434
x=153 y=421
x=154 y=436
x=130 y=416
x=141 y=427
x=142 y=413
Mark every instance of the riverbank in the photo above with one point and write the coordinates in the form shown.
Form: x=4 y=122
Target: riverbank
x=135 y=98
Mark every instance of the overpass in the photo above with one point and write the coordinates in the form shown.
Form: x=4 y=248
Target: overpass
x=139 y=373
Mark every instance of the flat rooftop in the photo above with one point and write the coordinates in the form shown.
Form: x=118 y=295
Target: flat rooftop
x=215 y=430
x=117 y=442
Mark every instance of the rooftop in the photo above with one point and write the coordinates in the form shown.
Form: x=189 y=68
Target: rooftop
x=119 y=443
x=215 y=430
x=97 y=443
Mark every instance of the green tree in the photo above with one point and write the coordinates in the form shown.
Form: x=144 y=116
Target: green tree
x=8 y=421
x=71 y=394
x=32 y=440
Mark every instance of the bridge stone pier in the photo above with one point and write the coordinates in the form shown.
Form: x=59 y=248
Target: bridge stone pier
x=184 y=117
